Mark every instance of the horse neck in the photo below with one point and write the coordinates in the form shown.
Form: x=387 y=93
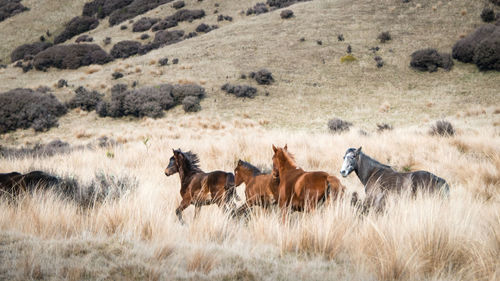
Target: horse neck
x=186 y=174
x=247 y=176
x=285 y=167
x=366 y=167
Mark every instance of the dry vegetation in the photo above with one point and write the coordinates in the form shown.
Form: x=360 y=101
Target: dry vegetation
x=138 y=237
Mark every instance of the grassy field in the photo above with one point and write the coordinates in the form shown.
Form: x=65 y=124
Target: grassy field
x=138 y=237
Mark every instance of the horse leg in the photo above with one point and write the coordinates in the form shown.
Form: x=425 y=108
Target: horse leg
x=186 y=201
x=197 y=209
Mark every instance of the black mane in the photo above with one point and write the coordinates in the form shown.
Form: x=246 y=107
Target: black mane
x=192 y=161
x=256 y=171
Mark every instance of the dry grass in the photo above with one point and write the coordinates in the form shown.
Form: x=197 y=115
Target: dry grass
x=139 y=237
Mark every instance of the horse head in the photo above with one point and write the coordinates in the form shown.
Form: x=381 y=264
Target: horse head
x=173 y=167
x=351 y=159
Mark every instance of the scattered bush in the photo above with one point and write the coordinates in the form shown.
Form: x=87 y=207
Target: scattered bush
x=135 y=8
x=240 y=91
x=85 y=99
x=9 y=8
x=384 y=37
x=337 y=125
x=191 y=104
x=71 y=56
x=283 y=3
x=379 y=60
x=487 y=14
x=205 y=28
x=179 y=92
x=25 y=108
x=430 y=60
x=62 y=83
x=76 y=26
x=340 y=37
x=286 y=14
x=107 y=41
x=27 y=51
x=163 y=61
x=463 y=50
x=103 y=8
x=384 y=127
x=496 y=2
x=164 y=37
x=263 y=77
x=117 y=75
x=190 y=35
x=259 y=8
x=164 y=24
x=222 y=17
x=187 y=15
x=84 y=38
x=178 y=4
x=144 y=24
x=442 y=128
x=38 y=150
x=125 y=49
x=123 y=27
x=144 y=36
x=487 y=53
x=175 y=61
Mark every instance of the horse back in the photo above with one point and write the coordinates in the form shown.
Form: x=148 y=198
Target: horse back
x=427 y=181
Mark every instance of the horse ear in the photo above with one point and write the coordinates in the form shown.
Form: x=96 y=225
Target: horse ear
x=358 y=150
x=286 y=147
x=239 y=162
x=274 y=148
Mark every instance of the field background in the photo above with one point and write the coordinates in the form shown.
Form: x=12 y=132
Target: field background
x=138 y=237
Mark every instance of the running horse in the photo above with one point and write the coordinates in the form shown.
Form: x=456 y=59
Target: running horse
x=301 y=190
x=379 y=179
x=200 y=188
x=261 y=189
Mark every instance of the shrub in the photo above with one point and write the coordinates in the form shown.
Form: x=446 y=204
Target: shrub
x=487 y=53
x=164 y=37
x=442 y=128
x=163 y=61
x=103 y=8
x=71 y=56
x=38 y=150
x=340 y=37
x=28 y=50
x=84 y=38
x=222 y=17
x=178 y=4
x=463 y=50
x=123 y=27
x=337 y=125
x=205 y=28
x=186 y=15
x=487 y=14
x=259 y=8
x=125 y=49
x=384 y=37
x=191 y=104
x=240 y=91
x=62 y=83
x=179 y=92
x=76 y=26
x=164 y=24
x=286 y=14
x=283 y=3
x=25 y=108
x=85 y=99
x=175 y=61
x=144 y=24
x=263 y=77
x=496 y=2
x=135 y=8
x=430 y=60
x=384 y=127
x=10 y=8
x=379 y=60
x=144 y=36
x=107 y=41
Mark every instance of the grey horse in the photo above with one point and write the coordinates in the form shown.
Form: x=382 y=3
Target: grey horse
x=379 y=179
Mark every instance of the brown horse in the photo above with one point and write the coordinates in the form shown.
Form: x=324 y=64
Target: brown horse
x=380 y=180
x=14 y=183
x=301 y=190
x=260 y=189
x=200 y=188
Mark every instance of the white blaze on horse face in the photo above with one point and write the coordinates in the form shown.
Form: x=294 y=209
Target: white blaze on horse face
x=347 y=166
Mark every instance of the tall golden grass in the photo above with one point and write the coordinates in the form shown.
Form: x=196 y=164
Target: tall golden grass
x=42 y=236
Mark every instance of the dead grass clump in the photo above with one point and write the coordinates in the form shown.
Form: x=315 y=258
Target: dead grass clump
x=85 y=99
x=384 y=37
x=71 y=56
x=144 y=24
x=125 y=49
x=91 y=70
x=76 y=26
x=240 y=91
x=442 y=128
x=28 y=51
x=337 y=125
x=430 y=60
x=201 y=261
x=25 y=108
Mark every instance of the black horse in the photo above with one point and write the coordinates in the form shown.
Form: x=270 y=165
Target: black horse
x=380 y=179
x=14 y=183
x=200 y=188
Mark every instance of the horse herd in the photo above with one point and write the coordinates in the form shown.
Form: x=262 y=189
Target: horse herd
x=291 y=187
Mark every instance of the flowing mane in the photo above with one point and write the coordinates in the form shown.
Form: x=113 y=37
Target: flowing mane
x=289 y=158
x=255 y=171
x=376 y=163
x=193 y=161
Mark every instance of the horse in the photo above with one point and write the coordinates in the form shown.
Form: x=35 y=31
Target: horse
x=14 y=183
x=379 y=179
x=261 y=189
x=200 y=188
x=301 y=190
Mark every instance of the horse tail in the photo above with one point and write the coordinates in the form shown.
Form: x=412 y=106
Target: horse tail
x=335 y=187
x=230 y=188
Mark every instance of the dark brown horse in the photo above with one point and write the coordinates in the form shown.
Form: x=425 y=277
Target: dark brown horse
x=14 y=183
x=380 y=179
x=200 y=188
x=301 y=190
x=260 y=189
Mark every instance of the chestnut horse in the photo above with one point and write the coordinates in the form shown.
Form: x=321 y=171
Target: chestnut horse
x=260 y=189
x=380 y=179
x=301 y=190
x=200 y=188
